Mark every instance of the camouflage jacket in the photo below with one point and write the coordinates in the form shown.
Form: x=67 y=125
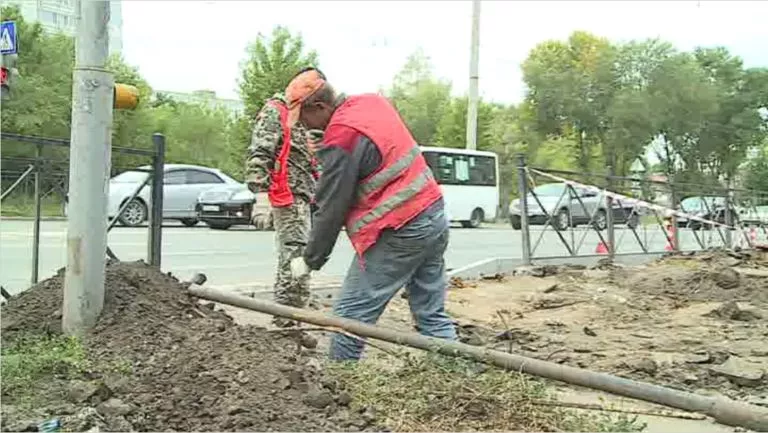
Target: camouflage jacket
x=266 y=142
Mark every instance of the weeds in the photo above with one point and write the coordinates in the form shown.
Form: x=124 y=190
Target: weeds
x=29 y=360
x=435 y=393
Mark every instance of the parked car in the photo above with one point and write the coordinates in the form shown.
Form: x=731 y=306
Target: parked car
x=757 y=215
x=707 y=207
x=225 y=206
x=569 y=210
x=182 y=185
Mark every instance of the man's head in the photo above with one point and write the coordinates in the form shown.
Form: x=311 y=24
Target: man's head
x=310 y=99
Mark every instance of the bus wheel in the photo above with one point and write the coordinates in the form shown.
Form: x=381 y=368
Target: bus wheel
x=476 y=219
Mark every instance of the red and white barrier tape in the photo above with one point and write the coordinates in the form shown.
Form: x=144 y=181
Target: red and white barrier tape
x=629 y=200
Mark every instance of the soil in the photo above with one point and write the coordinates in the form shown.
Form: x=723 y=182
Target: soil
x=695 y=322
x=191 y=368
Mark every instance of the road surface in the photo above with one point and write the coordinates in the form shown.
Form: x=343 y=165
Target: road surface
x=239 y=257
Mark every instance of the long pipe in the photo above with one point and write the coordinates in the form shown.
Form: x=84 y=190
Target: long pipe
x=723 y=410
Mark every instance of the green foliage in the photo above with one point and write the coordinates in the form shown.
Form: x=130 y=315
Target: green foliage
x=436 y=393
x=270 y=64
x=27 y=361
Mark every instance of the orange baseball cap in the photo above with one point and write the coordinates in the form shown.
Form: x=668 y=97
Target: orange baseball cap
x=301 y=87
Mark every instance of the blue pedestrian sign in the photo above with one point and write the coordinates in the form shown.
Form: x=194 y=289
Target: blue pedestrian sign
x=8 y=41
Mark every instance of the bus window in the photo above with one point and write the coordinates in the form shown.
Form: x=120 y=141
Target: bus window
x=456 y=169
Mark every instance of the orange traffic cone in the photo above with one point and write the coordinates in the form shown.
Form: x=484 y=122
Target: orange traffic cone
x=602 y=248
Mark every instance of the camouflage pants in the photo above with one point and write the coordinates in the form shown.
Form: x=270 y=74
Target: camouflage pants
x=292 y=225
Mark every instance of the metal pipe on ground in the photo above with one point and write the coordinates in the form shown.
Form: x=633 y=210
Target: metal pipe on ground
x=723 y=410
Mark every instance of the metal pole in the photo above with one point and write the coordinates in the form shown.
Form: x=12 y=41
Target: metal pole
x=38 y=206
x=523 y=188
x=673 y=218
x=609 y=217
x=723 y=410
x=90 y=153
x=474 y=58
x=155 y=243
x=728 y=215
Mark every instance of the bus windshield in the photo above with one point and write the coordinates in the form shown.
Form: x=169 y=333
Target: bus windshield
x=462 y=169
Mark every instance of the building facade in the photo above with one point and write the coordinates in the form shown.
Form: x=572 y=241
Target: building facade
x=61 y=16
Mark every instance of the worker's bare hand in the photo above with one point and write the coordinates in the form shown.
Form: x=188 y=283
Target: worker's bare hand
x=299 y=267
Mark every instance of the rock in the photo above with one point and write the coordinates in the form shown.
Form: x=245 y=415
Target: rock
x=730 y=261
x=114 y=407
x=318 y=399
x=236 y=409
x=120 y=424
x=731 y=311
x=582 y=349
x=698 y=358
x=86 y=419
x=344 y=399
x=726 y=278
x=645 y=365
x=536 y=271
x=740 y=371
x=759 y=352
x=590 y=332
x=308 y=341
x=94 y=392
x=550 y=288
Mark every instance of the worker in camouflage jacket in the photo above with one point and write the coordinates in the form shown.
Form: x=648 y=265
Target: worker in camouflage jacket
x=290 y=202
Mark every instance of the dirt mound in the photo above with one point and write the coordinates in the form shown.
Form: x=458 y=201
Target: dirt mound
x=166 y=362
x=703 y=277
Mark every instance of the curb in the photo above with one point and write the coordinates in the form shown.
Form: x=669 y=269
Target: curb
x=18 y=218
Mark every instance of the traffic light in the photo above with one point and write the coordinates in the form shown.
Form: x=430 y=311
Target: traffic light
x=8 y=74
x=125 y=97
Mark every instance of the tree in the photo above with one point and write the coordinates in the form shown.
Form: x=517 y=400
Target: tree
x=41 y=97
x=570 y=87
x=270 y=64
x=421 y=99
x=452 y=127
x=756 y=174
x=736 y=126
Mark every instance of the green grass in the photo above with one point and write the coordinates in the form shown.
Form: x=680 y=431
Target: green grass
x=20 y=206
x=434 y=393
x=29 y=360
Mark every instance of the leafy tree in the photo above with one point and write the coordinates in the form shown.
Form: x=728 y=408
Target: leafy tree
x=421 y=99
x=756 y=174
x=270 y=64
x=40 y=103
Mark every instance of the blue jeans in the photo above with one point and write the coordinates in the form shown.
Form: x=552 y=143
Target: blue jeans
x=411 y=257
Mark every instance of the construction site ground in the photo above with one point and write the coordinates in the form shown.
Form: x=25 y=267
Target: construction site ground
x=161 y=360
x=695 y=322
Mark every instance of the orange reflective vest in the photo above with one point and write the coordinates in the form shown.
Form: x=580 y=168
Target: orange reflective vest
x=401 y=188
x=280 y=194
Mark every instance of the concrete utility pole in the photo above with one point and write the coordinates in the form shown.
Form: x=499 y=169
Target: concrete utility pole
x=474 y=58
x=89 y=167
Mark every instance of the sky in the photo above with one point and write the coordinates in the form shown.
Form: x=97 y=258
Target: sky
x=193 y=45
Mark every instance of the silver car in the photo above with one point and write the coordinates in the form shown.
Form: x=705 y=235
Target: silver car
x=182 y=185
x=566 y=209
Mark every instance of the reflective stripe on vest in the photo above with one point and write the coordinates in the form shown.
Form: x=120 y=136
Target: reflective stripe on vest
x=383 y=177
x=393 y=202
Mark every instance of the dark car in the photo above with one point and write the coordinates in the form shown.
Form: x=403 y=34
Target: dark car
x=710 y=208
x=226 y=206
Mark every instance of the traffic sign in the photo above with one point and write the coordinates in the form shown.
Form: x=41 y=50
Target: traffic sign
x=8 y=41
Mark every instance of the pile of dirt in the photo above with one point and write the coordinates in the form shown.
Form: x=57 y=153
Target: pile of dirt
x=182 y=365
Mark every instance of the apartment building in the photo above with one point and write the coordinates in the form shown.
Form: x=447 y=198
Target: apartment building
x=61 y=16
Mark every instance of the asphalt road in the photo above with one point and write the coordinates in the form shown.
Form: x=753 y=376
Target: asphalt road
x=241 y=257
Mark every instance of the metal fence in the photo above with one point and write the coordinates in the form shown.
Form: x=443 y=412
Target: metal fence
x=653 y=213
x=52 y=166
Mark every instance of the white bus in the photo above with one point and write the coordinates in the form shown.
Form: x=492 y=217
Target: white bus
x=470 y=183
